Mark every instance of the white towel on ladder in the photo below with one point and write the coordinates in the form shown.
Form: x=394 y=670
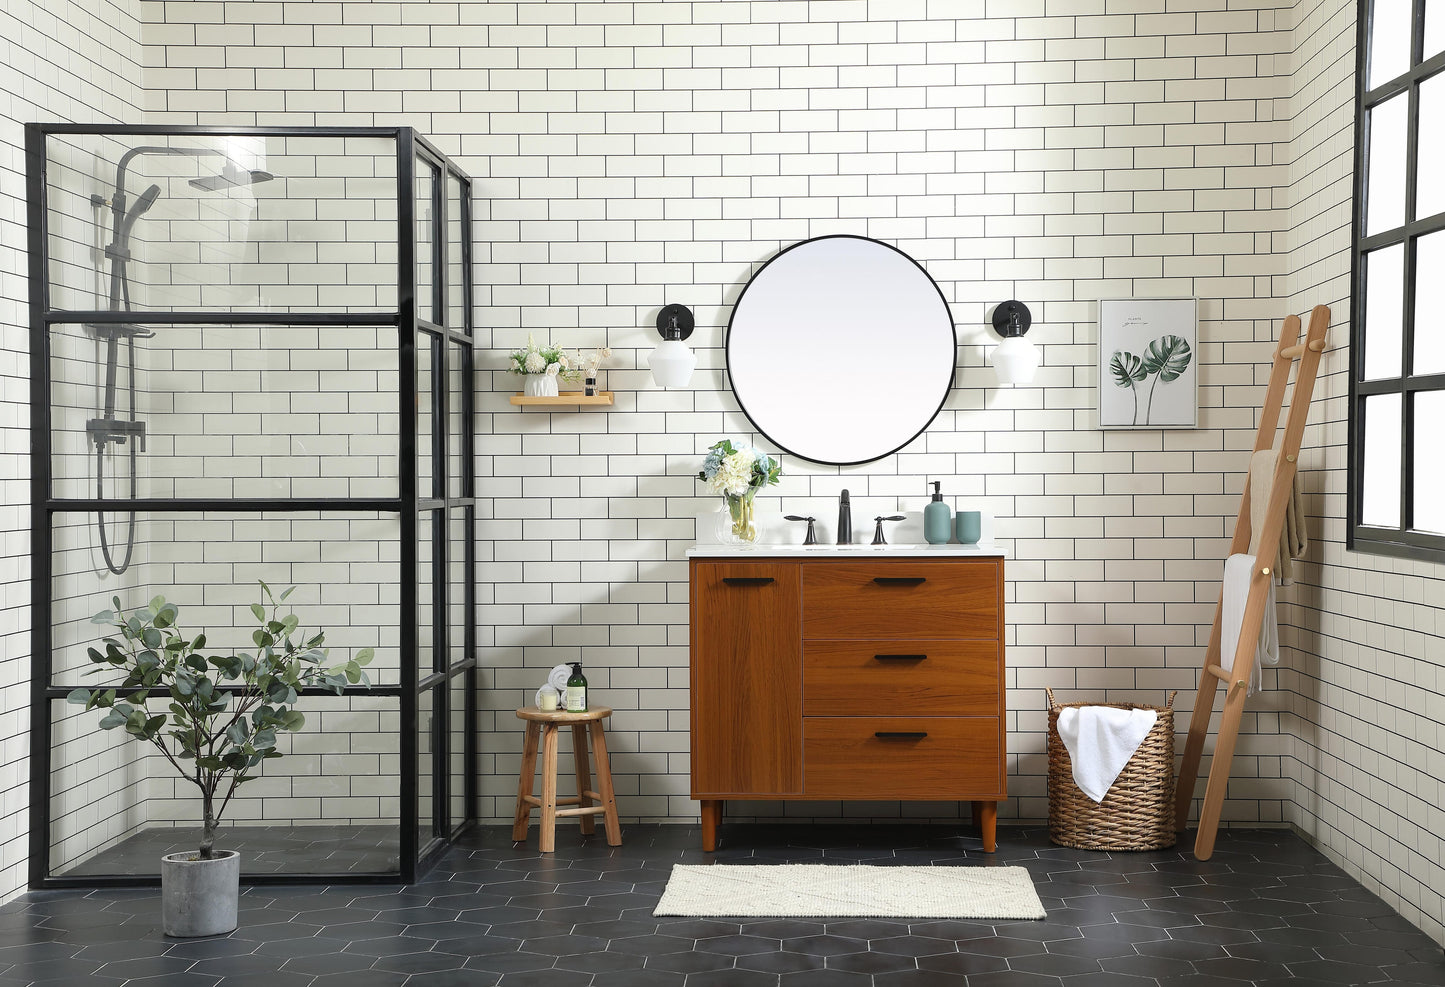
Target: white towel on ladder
x=1100 y=741
x=1238 y=572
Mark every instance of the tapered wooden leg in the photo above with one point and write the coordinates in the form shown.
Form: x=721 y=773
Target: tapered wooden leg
x=985 y=816
x=1214 y=792
x=524 y=780
x=584 y=781
x=547 y=836
x=1198 y=729
x=604 y=786
x=711 y=820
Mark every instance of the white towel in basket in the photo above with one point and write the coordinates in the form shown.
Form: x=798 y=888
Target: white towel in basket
x=1100 y=741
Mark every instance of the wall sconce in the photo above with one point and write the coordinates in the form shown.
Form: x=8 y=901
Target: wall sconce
x=672 y=362
x=1015 y=360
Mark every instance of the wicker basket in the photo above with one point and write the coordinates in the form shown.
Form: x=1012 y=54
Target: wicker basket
x=1138 y=811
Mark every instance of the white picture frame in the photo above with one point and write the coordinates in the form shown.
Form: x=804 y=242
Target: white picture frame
x=1148 y=363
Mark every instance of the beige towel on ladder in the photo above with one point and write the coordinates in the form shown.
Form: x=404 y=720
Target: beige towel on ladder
x=1293 y=538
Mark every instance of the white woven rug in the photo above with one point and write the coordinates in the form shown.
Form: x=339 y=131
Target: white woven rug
x=828 y=890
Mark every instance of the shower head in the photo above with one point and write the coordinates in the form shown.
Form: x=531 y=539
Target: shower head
x=232 y=176
x=142 y=205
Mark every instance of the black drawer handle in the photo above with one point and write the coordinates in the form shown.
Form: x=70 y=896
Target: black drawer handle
x=900 y=734
x=900 y=580
x=899 y=657
x=747 y=580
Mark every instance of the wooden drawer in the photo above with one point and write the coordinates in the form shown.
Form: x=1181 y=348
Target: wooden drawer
x=901 y=600
x=936 y=678
x=955 y=758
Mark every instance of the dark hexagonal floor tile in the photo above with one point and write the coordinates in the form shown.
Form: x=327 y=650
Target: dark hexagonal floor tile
x=825 y=978
x=963 y=964
x=739 y=945
x=732 y=978
x=510 y=962
x=912 y=946
x=826 y=945
x=420 y=963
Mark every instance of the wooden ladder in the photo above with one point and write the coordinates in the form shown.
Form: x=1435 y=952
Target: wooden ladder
x=1236 y=680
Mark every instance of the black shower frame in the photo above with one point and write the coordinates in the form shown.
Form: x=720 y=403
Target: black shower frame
x=415 y=856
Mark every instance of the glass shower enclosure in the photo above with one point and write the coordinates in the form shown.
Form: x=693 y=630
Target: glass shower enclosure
x=252 y=359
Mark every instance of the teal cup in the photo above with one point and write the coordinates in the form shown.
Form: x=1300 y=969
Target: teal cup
x=970 y=526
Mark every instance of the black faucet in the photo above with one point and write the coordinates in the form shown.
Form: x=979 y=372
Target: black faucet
x=878 y=538
x=845 y=520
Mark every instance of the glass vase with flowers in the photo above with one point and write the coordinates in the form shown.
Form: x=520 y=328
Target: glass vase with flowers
x=737 y=472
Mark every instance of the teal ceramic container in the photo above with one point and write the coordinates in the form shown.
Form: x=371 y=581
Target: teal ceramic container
x=970 y=526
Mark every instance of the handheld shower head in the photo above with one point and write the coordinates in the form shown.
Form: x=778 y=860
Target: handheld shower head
x=232 y=176
x=141 y=206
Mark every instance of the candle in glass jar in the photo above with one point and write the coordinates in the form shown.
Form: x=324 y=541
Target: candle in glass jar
x=549 y=699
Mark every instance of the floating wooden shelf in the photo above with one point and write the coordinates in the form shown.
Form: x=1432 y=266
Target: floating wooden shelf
x=566 y=398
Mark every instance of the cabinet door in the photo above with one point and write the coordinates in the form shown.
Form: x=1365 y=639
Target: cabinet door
x=747 y=679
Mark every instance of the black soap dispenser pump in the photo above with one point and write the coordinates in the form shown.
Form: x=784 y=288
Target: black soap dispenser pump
x=937 y=521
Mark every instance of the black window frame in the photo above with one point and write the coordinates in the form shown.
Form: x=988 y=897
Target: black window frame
x=1403 y=540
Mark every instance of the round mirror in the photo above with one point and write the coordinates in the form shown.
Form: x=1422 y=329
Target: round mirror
x=841 y=350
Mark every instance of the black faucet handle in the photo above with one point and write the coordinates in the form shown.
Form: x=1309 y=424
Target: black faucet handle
x=810 y=538
x=878 y=538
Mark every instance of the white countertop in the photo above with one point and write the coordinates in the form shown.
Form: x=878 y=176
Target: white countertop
x=988 y=551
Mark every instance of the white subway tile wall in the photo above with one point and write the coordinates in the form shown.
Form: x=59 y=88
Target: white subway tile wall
x=59 y=61
x=1366 y=633
x=633 y=154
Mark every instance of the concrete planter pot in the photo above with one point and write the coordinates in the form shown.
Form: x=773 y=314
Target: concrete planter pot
x=199 y=897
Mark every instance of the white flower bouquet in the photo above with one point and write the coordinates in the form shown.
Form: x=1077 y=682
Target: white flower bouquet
x=738 y=472
x=535 y=360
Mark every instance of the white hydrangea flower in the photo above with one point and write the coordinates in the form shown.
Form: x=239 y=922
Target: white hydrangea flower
x=735 y=474
x=553 y=369
x=536 y=363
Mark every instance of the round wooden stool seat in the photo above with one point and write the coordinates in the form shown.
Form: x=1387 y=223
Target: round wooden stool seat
x=562 y=716
x=542 y=729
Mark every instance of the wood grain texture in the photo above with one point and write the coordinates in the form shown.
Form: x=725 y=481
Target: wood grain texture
x=747 y=682
x=848 y=678
x=955 y=600
x=958 y=759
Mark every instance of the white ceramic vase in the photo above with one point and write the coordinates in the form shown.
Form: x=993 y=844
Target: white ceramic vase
x=540 y=385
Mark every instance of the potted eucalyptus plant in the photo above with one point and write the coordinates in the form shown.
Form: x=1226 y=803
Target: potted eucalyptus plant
x=223 y=715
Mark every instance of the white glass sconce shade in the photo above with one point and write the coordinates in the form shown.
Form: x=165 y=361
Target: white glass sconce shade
x=672 y=363
x=1015 y=360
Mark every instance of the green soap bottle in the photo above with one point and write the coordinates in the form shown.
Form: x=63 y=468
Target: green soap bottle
x=576 y=701
x=937 y=521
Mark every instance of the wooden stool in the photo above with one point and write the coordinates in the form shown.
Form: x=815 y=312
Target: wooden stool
x=542 y=726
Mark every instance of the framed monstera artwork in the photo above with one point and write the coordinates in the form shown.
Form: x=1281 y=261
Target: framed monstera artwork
x=1148 y=363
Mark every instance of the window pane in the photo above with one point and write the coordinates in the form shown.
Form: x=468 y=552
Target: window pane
x=1429 y=190
x=458 y=374
x=1434 y=29
x=1429 y=304
x=457 y=747
x=1384 y=312
x=1381 y=504
x=1389 y=40
x=1429 y=465
x=1385 y=159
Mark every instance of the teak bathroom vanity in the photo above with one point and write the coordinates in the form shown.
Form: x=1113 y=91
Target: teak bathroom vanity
x=847 y=674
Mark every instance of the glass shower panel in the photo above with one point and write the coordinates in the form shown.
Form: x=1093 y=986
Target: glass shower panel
x=426 y=767
x=459 y=375
x=456 y=743
x=236 y=223
x=460 y=525
x=330 y=806
x=344 y=565
x=426 y=583
x=426 y=241
x=428 y=371
x=456 y=279
x=225 y=411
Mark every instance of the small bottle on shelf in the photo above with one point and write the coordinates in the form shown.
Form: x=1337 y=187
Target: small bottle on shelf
x=577 y=690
